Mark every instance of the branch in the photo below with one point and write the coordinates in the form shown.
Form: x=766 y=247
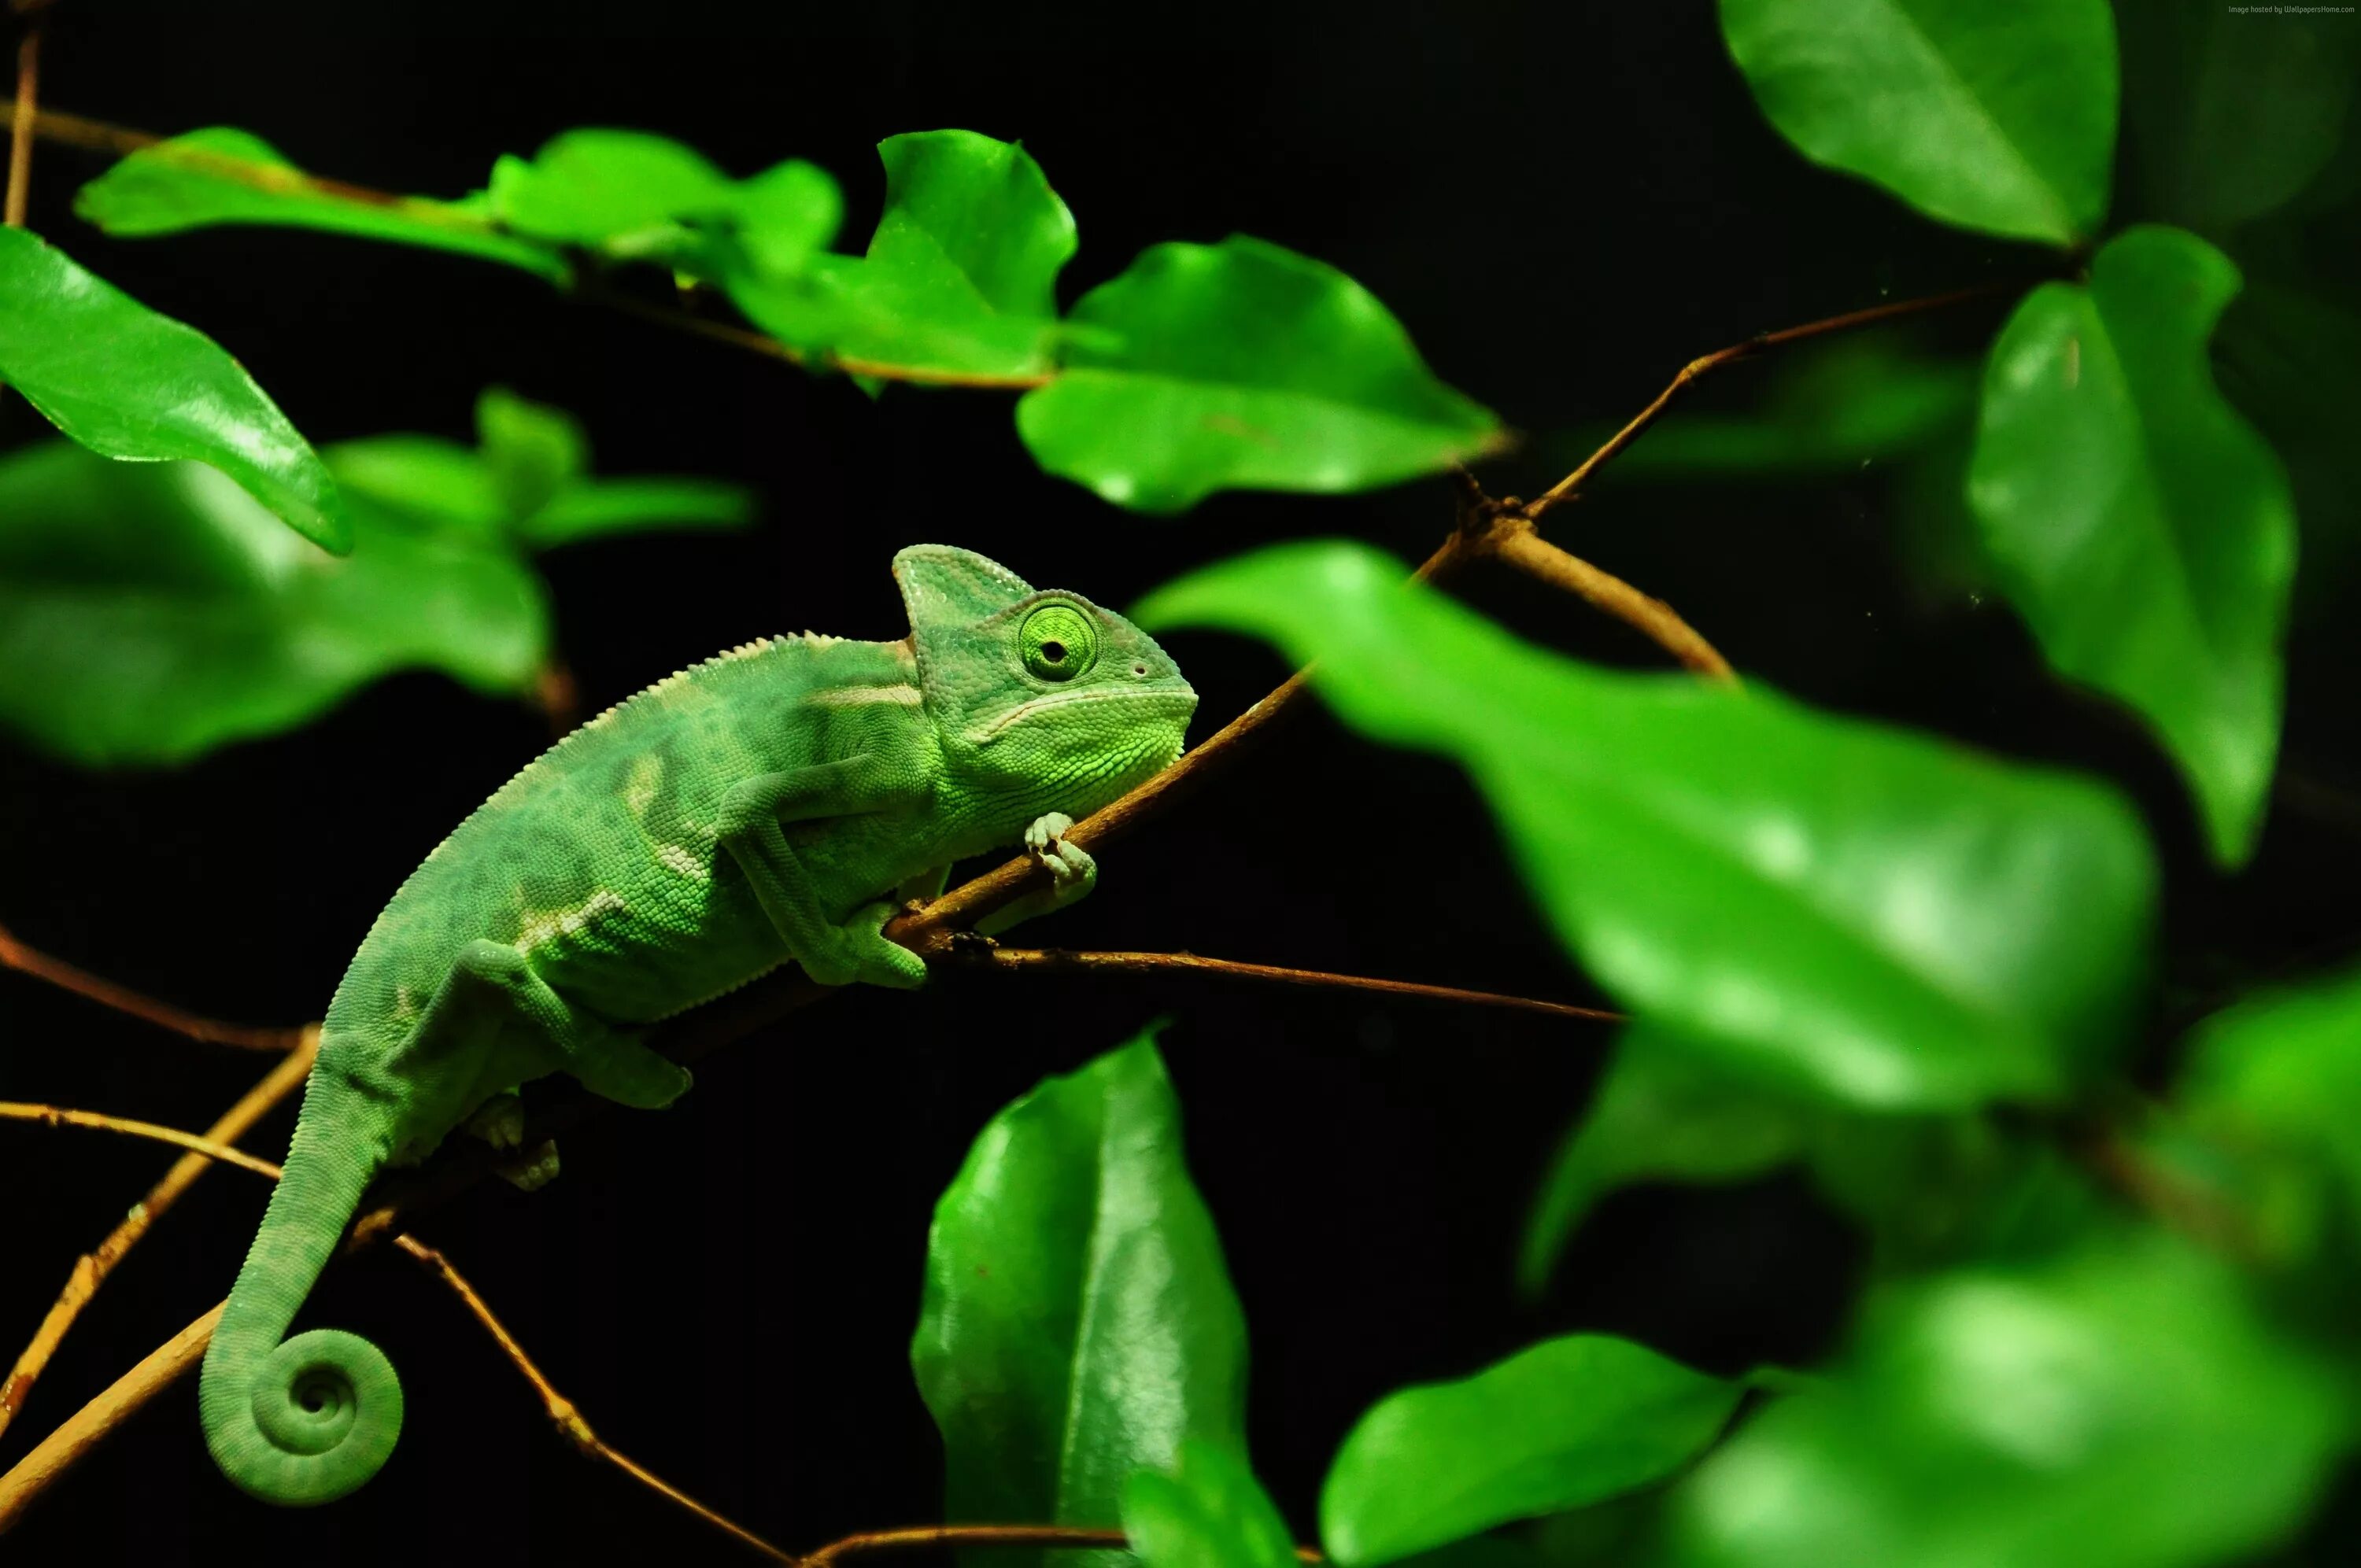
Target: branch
x=55 y=1116
x=17 y=956
x=20 y=125
x=977 y=954
x=1565 y=489
x=1513 y=542
x=89 y=1270
x=1070 y=1536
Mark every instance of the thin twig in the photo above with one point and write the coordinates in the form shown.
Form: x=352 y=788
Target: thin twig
x=91 y=1270
x=17 y=956
x=1565 y=488
x=1059 y=960
x=20 y=127
x=95 y=1421
x=1513 y=542
x=1069 y=1536
x=59 y=1117
x=562 y=1413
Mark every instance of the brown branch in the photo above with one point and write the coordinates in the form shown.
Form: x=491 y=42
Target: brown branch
x=89 y=1270
x=95 y=1422
x=1513 y=542
x=58 y=1116
x=17 y=956
x=1059 y=961
x=20 y=127
x=1565 y=488
x=1071 y=1536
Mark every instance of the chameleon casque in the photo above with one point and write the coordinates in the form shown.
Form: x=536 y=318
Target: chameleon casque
x=761 y=808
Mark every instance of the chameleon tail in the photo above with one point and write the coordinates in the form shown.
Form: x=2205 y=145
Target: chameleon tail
x=307 y=1420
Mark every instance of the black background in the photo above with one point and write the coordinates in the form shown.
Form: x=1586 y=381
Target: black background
x=1562 y=204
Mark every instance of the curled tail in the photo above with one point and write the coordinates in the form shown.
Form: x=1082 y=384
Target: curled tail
x=309 y=1419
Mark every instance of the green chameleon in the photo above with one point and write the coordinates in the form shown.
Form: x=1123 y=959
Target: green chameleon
x=765 y=807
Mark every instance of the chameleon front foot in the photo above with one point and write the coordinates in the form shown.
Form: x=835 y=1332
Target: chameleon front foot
x=1073 y=873
x=533 y=1170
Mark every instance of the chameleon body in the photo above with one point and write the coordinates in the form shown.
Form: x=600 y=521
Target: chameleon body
x=758 y=809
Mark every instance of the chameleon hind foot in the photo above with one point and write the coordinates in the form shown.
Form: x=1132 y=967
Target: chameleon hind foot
x=498 y=1120
x=531 y=1170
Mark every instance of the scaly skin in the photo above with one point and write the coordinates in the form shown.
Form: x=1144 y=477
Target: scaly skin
x=756 y=810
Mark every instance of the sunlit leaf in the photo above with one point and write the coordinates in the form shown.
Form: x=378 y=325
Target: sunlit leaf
x=2142 y=528
x=1568 y=1423
x=221 y=175
x=1242 y=366
x=1992 y=115
x=1890 y=919
x=150 y=612
x=1207 y=1512
x=1078 y=1321
x=2119 y=1407
x=129 y=383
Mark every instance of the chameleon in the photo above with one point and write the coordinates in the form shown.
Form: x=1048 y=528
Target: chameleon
x=770 y=805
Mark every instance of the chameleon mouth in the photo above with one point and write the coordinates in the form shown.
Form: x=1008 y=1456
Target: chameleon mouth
x=1179 y=704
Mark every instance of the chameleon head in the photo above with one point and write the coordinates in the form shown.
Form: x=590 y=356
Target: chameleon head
x=1041 y=696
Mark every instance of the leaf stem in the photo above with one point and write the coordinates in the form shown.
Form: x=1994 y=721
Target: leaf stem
x=32 y=961
x=91 y=1270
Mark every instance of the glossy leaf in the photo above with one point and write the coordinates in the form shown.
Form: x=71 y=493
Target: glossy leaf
x=129 y=383
x=221 y=175
x=1242 y=366
x=2122 y=1406
x=150 y=612
x=1992 y=115
x=1569 y=1422
x=1662 y=1109
x=2284 y=1071
x=594 y=186
x=1208 y=1512
x=1078 y=1321
x=960 y=277
x=1892 y=920
x=2142 y=528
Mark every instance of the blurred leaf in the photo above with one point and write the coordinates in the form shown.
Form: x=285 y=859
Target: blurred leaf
x=1243 y=366
x=1828 y=413
x=1662 y=1109
x=1078 y=1321
x=960 y=276
x=2142 y=528
x=533 y=451
x=2289 y=360
x=786 y=214
x=1210 y=1512
x=596 y=508
x=2121 y=1408
x=2232 y=118
x=526 y=486
x=1992 y=114
x=131 y=384
x=223 y=176
x=1567 y=1423
x=2285 y=1070
x=595 y=187
x=1894 y=920
x=149 y=612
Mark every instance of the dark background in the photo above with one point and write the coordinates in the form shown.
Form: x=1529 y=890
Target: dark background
x=1562 y=204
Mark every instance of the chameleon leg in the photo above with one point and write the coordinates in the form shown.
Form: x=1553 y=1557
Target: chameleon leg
x=1072 y=874
x=832 y=953
x=606 y=1061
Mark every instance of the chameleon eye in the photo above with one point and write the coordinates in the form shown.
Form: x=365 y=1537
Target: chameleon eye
x=1058 y=642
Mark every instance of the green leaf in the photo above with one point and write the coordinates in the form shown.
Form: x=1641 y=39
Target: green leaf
x=438 y=485
x=2123 y=1407
x=1824 y=414
x=1992 y=115
x=1243 y=366
x=595 y=509
x=150 y=612
x=2142 y=528
x=1078 y=1321
x=1661 y=1111
x=223 y=176
x=531 y=450
x=1209 y=1512
x=1567 y=1423
x=960 y=276
x=596 y=187
x=786 y=214
x=1892 y=920
x=131 y=384
x=2284 y=1071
